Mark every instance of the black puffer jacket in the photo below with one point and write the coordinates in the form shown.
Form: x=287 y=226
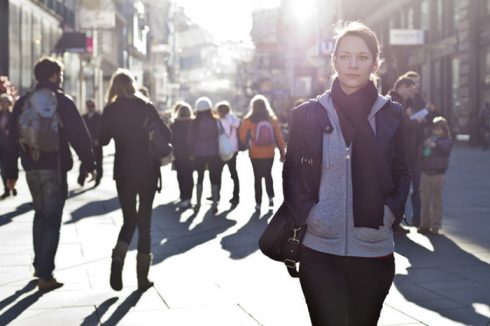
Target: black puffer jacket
x=302 y=168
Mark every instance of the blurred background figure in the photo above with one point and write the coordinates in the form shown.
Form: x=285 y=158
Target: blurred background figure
x=205 y=150
x=230 y=124
x=265 y=134
x=6 y=120
x=182 y=144
x=484 y=125
x=434 y=164
x=93 y=120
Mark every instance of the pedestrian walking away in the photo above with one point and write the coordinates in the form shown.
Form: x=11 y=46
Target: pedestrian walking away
x=135 y=173
x=484 y=125
x=434 y=164
x=261 y=131
x=182 y=144
x=349 y=196
x=229 y=125
x=205 y=151
x=93 y=120
x=6 y=134
x=46 y=158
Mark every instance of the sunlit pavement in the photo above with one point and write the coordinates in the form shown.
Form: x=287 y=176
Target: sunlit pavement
x=208 y=271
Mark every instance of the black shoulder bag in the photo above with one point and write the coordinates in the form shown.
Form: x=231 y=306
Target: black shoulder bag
x=282 y=238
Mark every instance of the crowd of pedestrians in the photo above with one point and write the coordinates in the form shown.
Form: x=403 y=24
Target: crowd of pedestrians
x=334 y=179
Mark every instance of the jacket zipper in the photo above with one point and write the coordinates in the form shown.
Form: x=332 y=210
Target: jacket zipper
x=347 y=159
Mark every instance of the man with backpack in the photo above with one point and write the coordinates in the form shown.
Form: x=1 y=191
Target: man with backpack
x=45 y=123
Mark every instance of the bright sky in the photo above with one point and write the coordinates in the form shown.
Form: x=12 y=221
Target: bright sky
x=225 y=19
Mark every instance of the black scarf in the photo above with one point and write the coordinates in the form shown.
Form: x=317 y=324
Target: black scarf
x=353 y=111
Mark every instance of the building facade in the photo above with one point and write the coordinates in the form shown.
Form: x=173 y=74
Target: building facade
x=30 y=29
x=453 y=56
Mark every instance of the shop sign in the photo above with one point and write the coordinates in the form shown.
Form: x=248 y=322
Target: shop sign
x=407 y=37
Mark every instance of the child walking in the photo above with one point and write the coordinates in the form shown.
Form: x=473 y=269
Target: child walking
x=434 y=164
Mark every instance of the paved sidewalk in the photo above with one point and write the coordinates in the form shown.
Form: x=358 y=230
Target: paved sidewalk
x=208 y=270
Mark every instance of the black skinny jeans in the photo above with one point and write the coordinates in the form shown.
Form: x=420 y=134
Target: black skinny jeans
x=262 y=168
x=214 y=165
x=184 y=168
x=136 y=216
x=234 y=175
x=343 y=291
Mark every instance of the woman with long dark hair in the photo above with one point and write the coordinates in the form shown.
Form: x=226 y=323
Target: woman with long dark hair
x=346 y=177
x=135 y=173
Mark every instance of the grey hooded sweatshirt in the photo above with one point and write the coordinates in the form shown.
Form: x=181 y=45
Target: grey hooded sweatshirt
x=330 y=223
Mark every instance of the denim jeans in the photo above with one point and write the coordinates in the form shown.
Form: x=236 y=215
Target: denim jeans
x=48 y=190
x=415 y=196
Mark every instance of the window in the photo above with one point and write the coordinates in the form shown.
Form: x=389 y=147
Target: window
x=455 y=86
x=14 y=44
x=410 y=18
x=425 y=15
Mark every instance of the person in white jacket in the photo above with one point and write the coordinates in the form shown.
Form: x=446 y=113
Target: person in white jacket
x=230 y=125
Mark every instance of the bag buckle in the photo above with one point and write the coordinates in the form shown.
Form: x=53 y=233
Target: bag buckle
x=290 y=263
x=294 y=239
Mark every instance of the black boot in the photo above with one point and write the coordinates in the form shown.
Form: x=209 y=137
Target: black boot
x=118 y=255
x=143 y=262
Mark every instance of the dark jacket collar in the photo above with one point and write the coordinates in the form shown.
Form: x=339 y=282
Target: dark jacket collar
x=47 y=84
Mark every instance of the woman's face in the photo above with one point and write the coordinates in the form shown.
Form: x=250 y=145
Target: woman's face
x=354 y=63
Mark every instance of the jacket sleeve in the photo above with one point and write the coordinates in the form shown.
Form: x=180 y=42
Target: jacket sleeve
x=107 y=127
x=400 y=169
x=166 y=132
x=281 y=144
x=444 y=146
x=244 y=130
x=296 y=198
x=77 y=134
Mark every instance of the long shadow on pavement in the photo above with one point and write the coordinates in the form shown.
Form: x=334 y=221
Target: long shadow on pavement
x=245 y=241
x=444 y=280
x=178 y=238
x=96 y=317
x=94 y=208
x=123 y=308
x=21 y=209
x=13 y=312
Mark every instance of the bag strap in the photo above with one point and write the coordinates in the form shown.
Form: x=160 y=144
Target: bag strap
x=295 y=240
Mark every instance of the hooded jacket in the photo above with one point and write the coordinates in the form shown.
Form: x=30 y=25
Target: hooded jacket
x=317 y=177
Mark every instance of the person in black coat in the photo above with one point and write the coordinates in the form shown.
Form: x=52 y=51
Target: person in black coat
x=93 y=120
x=182 y=143
x=6 y=121
x=135 y=173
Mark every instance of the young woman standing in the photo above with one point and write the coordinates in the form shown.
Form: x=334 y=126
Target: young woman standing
x=346 y=176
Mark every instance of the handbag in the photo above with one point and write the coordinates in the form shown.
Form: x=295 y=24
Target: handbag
x=159 y=148
x=226 y=149
x=282 y=239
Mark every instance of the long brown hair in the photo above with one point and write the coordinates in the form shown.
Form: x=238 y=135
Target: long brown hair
x=122 y=84
x=260 y=107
